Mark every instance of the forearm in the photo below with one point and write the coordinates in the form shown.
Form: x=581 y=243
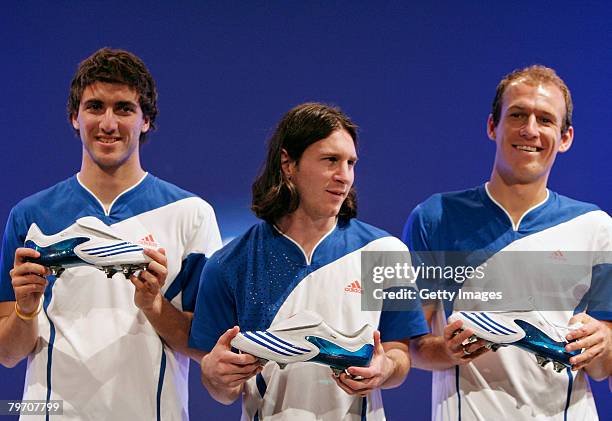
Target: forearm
x=172 y=325
x=428 y=353
x=225 y=396
x=17 y=337
x=400 y=361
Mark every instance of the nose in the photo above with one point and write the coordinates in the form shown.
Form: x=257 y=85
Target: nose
x=108 y=122
x=530 y=128
x=344 y=173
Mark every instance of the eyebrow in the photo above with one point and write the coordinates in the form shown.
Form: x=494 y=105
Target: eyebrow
x=124 y=103
x=336 y=154
x=521 y=108
x=117 y=104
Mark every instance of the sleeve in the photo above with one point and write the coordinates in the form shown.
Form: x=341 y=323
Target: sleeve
x=214 y=310
x=205 y=240
x=208 y=233
x=416 y=236
x=396 y=325
x=599 y=303
x=14 y=237
x=400 y=318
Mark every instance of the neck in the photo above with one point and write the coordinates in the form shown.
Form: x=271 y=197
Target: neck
x=516 y=198
x=304 y=230
x=108 y=183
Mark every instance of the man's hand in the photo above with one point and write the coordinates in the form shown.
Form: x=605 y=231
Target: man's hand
x=458 y=353
x=381 y=368
x=594 y=336
x=28 y=280
x=149 y=282
x=225 y=372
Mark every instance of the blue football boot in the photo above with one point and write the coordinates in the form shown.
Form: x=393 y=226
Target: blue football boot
x=528 y=330
x=86 y=242
x=305 y=337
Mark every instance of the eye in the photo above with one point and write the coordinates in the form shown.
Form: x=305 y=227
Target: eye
x=125 y=109
x=331 y=159
x=94 y=106
x=352 y=162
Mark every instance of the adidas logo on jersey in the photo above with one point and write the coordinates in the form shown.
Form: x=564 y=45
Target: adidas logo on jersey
x=558 y=255
x=354 y=286
x=149 y=242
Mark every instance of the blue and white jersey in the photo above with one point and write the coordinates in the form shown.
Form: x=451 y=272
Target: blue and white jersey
x=97 y=351
x=264 y=277
x=508 y=382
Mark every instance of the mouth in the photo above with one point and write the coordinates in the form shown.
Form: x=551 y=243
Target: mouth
x=527 y=148
x=107 y=140
x=338 y=193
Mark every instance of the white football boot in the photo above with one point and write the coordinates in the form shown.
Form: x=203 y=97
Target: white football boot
x=528 y=330
x=305 y=337
x=88 y=241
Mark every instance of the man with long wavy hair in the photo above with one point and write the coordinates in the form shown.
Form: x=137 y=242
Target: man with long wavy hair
x=302 y=256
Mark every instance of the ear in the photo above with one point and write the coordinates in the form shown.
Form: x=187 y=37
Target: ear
x=491 y=128
x=146 y=125
x=287 y=164
x=566 y=140
x=75 y=121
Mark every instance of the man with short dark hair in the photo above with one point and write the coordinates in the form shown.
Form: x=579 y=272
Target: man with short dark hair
x=304 y=256
x=106 y=346
x=514 y=212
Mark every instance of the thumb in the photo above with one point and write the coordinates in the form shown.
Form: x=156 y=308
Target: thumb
x=377 y=345
x=225 y=340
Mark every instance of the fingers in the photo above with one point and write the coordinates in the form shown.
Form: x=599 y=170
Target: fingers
x=154 y=277
x=473 y=348
x=158 y=256
x=585 y=358
x=223 y=367
x=23 y=253
x=365 y=372
x=28 y=285
x=237 y=380
x=353 y=387
x=146 y=282
x=591 y=337
x=457 y=348
x=225 y=340
x=29 y=268
x=28 y=279
x=377 y=345
x=451 y=329
x=589 y=326
x=474 y=353
x=455 y=343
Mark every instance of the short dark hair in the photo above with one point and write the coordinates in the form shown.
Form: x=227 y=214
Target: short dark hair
x=534 y=74
x=274 y=195
x=115 y=66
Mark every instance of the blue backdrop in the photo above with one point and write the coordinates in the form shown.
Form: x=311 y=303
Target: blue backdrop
x=417 y=77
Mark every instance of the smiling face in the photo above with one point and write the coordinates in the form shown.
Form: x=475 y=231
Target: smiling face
x=110 y=122
x=528 y=135
x=323 y=175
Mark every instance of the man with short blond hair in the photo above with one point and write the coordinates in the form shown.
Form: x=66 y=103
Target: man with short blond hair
x=530 y=122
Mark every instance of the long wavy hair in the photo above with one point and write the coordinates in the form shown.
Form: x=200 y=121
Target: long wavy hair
x=275 y=195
